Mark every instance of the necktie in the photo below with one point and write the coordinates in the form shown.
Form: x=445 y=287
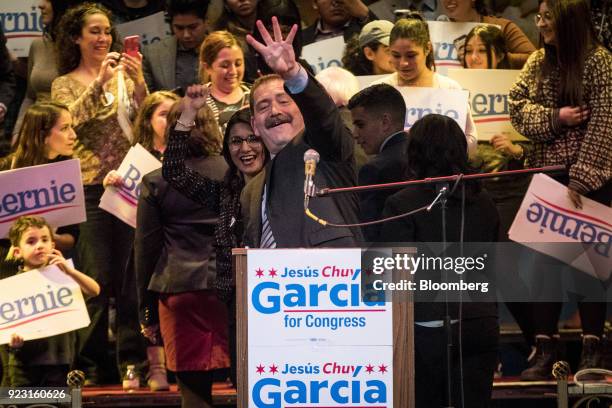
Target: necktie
x=267 y=237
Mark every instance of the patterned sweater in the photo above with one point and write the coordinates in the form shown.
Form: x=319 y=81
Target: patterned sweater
x=534 y=111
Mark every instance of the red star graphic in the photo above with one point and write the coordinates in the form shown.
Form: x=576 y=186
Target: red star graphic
x=382 y=368
x=259 y=273
x=260 y=369
x=272 y=272
x=369 y=369
x=273 y=369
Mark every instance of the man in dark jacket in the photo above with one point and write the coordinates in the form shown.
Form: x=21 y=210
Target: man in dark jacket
x=378 y=126
x=292 y=113
x=337 y=17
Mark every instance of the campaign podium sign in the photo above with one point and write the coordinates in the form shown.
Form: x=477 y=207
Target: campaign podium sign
x=306 y=337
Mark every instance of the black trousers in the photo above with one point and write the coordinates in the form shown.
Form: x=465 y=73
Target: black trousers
x=480 y=339
x=104 y=245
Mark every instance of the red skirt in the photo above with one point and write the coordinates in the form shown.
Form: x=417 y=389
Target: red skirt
x=193 y=326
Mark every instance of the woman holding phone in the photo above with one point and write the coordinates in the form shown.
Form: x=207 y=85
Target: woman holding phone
x=102 y=89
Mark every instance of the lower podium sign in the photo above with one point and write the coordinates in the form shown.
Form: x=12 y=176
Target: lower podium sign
x=306 y=338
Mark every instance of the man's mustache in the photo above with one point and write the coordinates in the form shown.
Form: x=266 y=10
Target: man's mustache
x=276 y=120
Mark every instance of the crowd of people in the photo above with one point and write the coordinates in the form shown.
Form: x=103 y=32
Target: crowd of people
x=230 y=108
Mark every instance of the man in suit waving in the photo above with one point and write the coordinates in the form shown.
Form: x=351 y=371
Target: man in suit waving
x=292 y=113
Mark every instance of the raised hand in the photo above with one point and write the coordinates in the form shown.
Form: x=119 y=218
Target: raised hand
x=277 y=53
x=16 y=341
x=109 y=66
x=195 y=97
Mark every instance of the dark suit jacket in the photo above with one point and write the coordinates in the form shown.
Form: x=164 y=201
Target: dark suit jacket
x=353 y=28
x=386 y=167
x=174 y=235
x=159 y=64
x=7 y=77
x=284 y=176
x=481 y=225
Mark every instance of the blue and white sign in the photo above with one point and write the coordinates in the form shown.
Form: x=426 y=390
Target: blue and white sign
x=324 y=54
x=22 y=23
x=285 y=377
x=151 y=29
x=41 y=303
x=423 y=101
x=312 y=296
x=122 y=201
x=53 y=191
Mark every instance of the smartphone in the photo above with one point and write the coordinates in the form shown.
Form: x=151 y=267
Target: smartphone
x=131 y=45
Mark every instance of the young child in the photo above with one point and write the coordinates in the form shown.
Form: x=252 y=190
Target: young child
x=42 y=362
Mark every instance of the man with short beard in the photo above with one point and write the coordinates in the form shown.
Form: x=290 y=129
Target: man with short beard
x=292 y=113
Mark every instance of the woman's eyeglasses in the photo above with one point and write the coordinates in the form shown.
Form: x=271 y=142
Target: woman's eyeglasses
x=252 y=140
x=547 y=17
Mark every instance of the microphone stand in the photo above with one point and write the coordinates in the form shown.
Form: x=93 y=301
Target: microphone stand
x=441 y=198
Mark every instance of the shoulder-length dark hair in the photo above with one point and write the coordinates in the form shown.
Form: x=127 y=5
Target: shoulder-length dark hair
x=494 y=42
x=143 y=130
x=437 y=147
x=70 y=28
x=37 y=123
x=575 y=40
x=414 y=29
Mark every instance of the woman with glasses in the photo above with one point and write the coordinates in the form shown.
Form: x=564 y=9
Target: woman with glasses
x=518 y=45
x=245 y=155
x=561 y=102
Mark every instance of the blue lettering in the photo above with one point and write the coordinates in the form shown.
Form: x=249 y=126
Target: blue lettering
x=275 y=397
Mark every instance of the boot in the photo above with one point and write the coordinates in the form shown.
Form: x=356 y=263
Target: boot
x=590 y=357
x=157 y=379
x=545 y=357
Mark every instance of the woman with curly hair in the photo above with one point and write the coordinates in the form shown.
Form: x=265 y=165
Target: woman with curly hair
x=101 y=88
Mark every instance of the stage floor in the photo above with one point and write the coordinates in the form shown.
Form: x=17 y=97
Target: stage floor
x=507 y=392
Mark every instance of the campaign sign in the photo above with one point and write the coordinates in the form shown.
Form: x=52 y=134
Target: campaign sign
x=21 y=22
x=53 y=191
x=547 y=216
x=122 y=201
x=324 y=54
x=446 y=39
x=151 y=29
x=40 y=303
x=285 y=377
x=366 y=80
x=312 y=296
x=489 y=89
x=423 y=101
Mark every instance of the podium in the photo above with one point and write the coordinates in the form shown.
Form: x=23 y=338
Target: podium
x=361 y=381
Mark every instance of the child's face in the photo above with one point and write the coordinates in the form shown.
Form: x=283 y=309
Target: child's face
x=35 y=247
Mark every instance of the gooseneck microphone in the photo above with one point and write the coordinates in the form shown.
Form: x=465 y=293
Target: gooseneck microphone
x=311 y=158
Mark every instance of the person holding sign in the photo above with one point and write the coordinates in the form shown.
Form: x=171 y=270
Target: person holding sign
x=561 y=102
x=518 y=45
x=44 y=362
x=46 y=136
x=101 y=88
x=413 y=60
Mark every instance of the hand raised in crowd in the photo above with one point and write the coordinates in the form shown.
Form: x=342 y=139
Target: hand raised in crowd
x=277 y=53
x=502 y=143
x=16 y=341
x=56 y=258
x=112 y=179
x=195 y=97
x=109 y=67
x=575 y=198
x=574 y=115
x=133 y=67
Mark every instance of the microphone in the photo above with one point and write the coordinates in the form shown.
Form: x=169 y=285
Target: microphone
x=311 y=158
